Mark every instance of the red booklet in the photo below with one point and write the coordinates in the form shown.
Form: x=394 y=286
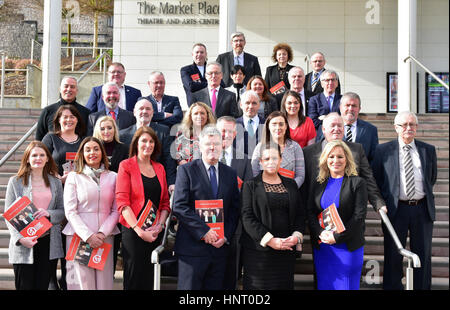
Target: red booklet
x=240 y=182
x=84 y=254
x=286 y=173
x=211 y=211
x=329 y=219
x=20 y=216
x=278 y=89
x=195 y=77
x=149 y=216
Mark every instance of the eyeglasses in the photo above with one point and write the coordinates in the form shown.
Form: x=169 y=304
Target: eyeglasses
x=115 y=72
x=214 y=73
x=329 y=80
x=405 y=126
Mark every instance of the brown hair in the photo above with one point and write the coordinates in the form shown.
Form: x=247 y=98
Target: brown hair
x=134 y=142
x=265 y=94
x=282 y=46
x=267 y=137
x=50 y=167
x=294 y=94
x=80 y=162
x=80 y=129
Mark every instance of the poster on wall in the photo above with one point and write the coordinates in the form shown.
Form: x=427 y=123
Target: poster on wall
x=392 y=87
x=436 y=95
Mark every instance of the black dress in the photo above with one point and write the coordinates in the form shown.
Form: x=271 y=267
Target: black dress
x=272 y=269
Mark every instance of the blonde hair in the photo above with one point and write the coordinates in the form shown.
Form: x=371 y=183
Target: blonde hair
x=102 y=119
x=350 y=166
x=187 y=124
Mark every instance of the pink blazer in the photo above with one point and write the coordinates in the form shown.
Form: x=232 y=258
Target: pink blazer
x=130 y=189
x=90 y=208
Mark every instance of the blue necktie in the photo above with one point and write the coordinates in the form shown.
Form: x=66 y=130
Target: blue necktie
x=329 y=102
x=213 y=180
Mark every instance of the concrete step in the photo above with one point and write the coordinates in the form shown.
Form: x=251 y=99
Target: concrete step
x=21 y=112
x=17 y=119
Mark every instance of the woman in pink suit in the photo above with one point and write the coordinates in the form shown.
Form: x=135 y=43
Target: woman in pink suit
x=140 y=179
x=91 y=211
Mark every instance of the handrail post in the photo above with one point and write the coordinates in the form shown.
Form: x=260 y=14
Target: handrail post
x=32 y=51
x=2 y=91
x=73 y=59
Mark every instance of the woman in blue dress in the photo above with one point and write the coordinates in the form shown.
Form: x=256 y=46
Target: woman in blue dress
x=338 y=257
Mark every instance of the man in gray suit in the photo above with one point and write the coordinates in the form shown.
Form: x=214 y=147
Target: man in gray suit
x=221 y=101
x=111 y=98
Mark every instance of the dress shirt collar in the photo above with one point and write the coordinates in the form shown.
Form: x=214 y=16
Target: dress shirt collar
x=116 y=110
x=402 y=144
x=207 y=168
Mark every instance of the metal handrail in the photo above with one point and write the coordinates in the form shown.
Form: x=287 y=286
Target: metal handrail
x=28 y=134
x=159 y=249
x=427 y=70
x=412 y=257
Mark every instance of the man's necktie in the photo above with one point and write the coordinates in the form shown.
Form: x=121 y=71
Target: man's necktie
x=213 y=180
x=409 y=171
x=348 y=136
x=315 y=80
x=213 y=100
x=236 y=60
x=329 y=102
x=113 y=114
x=250 y=130
x=223 y=160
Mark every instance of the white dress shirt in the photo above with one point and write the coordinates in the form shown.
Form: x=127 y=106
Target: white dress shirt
x=241 y=59
x=417 y=167
x=122 y=101
x=207 y=170
x=353 y=129
x=255 y=123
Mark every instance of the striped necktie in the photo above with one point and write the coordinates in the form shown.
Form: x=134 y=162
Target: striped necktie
x=348 y=135
x=315 y=80
x=409 y=171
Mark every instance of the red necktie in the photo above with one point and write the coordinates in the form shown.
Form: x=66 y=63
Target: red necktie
x=213 y=99
x=113 y=114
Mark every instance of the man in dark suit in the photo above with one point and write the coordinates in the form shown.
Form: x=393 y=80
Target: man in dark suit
x=238 y=57
x=68 y=92
x=201 y=253
x=128 y=95
x=111 y=97
x=166 y=109
x=406 y=171
x=333 y=129
x=312 y=80
x=296 y=78
x=143 y=112
x=325 y=102
x=193 y=76
x=357 y=130
x=221 y=101
x=242 y=165
x=249 y=125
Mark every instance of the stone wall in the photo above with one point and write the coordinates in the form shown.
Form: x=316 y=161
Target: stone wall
x=16 y=36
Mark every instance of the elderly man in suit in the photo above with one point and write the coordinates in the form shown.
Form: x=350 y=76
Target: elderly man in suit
x=333 y=129
x=166 y=109
x=143 y=112
x=327 y=101
x=312 y=79
x=111 y=98
x=221 y=101
x=193 y=76
x=357 y=130
x=238 y=57
x=128 y=95
x=406 y=170
x=249 y=124
x=202 y=254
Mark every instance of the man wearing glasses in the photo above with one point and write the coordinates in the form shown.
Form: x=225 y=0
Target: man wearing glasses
x=312 y=79
x=325 y=102
x=405 y=170
x=128 y=95
x=238 y=57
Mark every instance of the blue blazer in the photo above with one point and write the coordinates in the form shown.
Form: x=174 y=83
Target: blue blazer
x=386 y=170
x=367 y=135
x=189 y=85
x=193 y=184
x=170 y=104
x=95 y=102
x=318 y=106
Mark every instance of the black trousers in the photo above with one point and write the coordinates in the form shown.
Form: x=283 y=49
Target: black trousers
x=416 y=220
x=137 y=264
x=35 y=276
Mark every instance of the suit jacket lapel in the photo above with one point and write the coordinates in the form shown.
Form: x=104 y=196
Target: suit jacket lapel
x=323 y=99
x=394 y=165
x=423 y=157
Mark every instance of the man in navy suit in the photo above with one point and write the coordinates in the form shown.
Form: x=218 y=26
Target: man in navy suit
x=143 y=112
x=325 y=102
x=250 y=126
x=166 y=109
x=238 y=57
x=111 y=98
x=128 y=95
x=357 y=130
x=221 y=101
x=201 y=253
x=193 y=76
x=406 y=170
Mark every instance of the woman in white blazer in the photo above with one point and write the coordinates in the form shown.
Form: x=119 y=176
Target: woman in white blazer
x=91 y=212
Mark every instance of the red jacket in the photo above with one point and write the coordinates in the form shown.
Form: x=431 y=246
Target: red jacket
x=130 y=189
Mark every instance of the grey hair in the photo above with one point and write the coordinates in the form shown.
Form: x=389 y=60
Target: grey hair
x=155 y=73
x=226 y=118
x=208 y=131
x=214 y=63
x=108 y=84
x=402 y=115
x=69 y=77
x=237 y=34
x=247 y=94
x=330 y=115
x=351 y=95
x=328 y=71
x=292 y=70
